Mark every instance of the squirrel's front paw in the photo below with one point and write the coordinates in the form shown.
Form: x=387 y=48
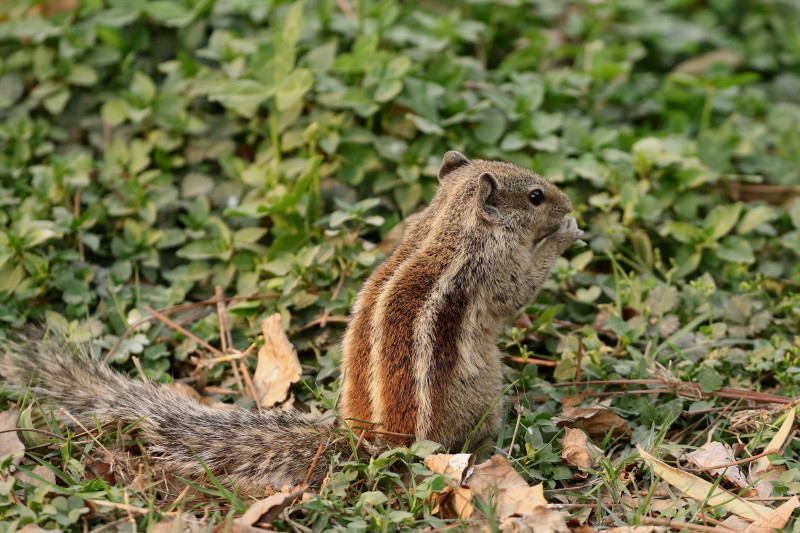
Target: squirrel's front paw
x=567 y=233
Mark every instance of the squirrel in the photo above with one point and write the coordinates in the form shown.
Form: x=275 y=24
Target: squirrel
x=419 y=355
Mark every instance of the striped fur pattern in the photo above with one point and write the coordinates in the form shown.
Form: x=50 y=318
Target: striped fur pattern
x=419 y=354
x=255 y=452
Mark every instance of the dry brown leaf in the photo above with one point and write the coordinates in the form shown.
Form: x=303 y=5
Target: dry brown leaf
x=762 y=472
x=10 y=445
x=699 y=64
x=777 y=519
x=184 y=390
x=33 y=528
x=578 y=451
x=733 y=523
x=278 y=366
x=496 y=480
x=655 y=504
x=268 y=509
x=451 y=465
x=539 y=520
x=394 y=236
x=762 y=481
x=39 y=470
x=701 y=490
x=595 y=420
x=180 y=524
x=714 y=453
x=776 y=443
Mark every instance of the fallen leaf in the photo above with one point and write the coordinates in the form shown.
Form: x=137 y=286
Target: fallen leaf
x=714 y=453
x=10 y=445
x=777 y=519
x=762 y=472
x=496 y=480
x=733 y=522
x=47 y=476
x=701 y=490
x=578 y=451
x=595 y=420
x=699 y=64
x=454 y=466
x=539 y=520
x=776 y=443
x=395 y=235
x=278 y=366
x=268 y=509
x=33 y=528
x=762 y=480
x=180 y=524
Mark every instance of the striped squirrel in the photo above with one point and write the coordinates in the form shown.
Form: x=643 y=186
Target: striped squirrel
x=419 y=361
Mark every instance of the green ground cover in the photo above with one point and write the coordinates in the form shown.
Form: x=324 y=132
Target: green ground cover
x=153 y=153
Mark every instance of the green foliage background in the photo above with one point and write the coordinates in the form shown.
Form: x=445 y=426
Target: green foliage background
x=151 y=151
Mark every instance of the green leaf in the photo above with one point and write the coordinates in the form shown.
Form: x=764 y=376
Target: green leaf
x=143 y=87
x=709 y=379
x=372 y=498
x=82 y=74
x=293 y=87
x=794 y=213
x=791 y=240
x=248 y=235
x=424 y=448
x=736 y=249
x=114 y=112
x=756 y=216
x=721 y=220
x=56 y=102
x=682 y=231
x=293 y=23
x=168 y=12
x=242 y=96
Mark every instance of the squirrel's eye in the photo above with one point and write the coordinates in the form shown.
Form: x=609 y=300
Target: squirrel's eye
x=537 y=197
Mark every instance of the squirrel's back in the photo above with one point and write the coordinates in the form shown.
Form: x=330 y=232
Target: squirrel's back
x=419 y=355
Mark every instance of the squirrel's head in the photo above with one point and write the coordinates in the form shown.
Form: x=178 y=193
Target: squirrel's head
x=505 y=195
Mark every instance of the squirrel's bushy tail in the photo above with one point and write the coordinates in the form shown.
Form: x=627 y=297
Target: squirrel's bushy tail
x=253 y=451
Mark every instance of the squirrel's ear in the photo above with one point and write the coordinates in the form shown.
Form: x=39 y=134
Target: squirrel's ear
x=451 y=161
x=487 y=196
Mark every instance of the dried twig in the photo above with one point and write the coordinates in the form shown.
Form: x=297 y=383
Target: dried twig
x=313 y=464
x=183 y=330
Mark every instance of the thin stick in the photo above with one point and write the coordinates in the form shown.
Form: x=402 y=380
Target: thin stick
x=235 y=356
x=103 y=448
x=313 y=463
x=332 y=318
x=347 y=10
x=533 y=361
x=734 y=463
x=324 y=320
x=516 y=427
x=223 y=326
x=177 y=309
x=183 y=330
x=139 y=368
x=250 y=388
x=578 y=366
x=76 y=211
x=674 y=524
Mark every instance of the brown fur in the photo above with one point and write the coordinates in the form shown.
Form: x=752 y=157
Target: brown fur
x=435 y=370
x=419 y=354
